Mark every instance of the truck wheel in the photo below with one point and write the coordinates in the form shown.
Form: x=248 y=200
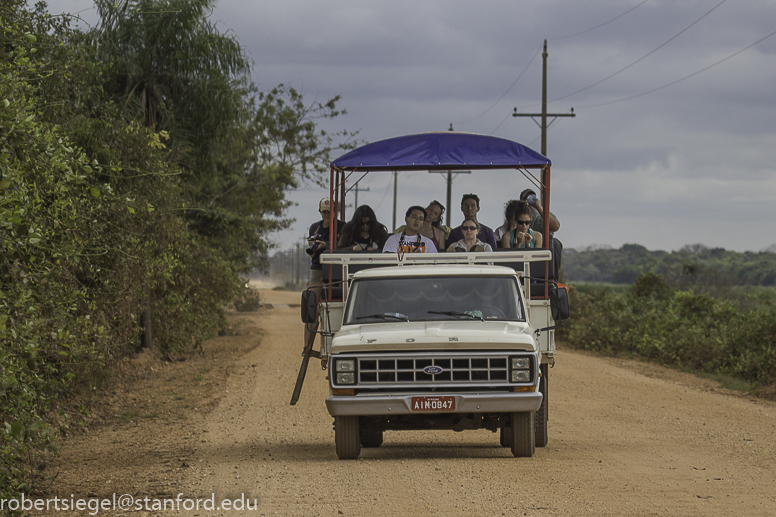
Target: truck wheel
x=541 y=414
x=346 y=437
x=523 y=435
x=505 y=436
x=371 y=437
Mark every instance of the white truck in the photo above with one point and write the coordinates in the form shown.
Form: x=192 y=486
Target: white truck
x=436 y=341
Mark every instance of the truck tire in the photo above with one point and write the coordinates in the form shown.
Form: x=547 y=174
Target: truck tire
x=371 y=437
x=541 y=414
x=505 y=436
x=347 y=437
x=523 y=435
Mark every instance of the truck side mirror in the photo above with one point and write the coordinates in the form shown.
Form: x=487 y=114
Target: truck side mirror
x=309 y=306
x=559 y=303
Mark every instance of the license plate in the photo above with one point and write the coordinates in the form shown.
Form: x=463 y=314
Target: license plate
x=433 y=403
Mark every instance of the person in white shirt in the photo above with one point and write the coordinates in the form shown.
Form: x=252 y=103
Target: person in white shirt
x=410 y=240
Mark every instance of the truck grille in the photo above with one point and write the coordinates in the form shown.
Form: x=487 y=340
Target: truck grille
x=433 y=370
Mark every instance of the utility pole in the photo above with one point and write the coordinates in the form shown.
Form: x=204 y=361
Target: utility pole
x=395 y=179
x=449 y=186
x=543 y=115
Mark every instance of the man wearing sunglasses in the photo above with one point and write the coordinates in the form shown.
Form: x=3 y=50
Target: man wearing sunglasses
x=470 y=205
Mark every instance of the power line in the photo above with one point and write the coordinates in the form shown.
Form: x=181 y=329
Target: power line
x=508 y=89
x=500 y=124
x=734 y=54
x=642 y=57
x=600 y=24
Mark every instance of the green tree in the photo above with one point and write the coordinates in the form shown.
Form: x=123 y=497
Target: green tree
x=241 y=149
x=175 y=71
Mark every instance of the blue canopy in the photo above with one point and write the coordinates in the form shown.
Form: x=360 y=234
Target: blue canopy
x=445 y=150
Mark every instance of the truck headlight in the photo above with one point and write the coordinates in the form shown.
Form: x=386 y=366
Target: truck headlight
x=346 y=378
x=521 y=363
x=521 y=375
x=345 y=365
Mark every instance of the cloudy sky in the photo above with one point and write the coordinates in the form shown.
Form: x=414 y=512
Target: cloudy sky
x=674 y=139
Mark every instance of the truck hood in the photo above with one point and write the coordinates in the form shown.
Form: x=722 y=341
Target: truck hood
x=436 y=335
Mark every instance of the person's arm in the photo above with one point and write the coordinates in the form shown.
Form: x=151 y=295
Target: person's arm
x=554 y=223
x=313 y=238
x=521 y=239
x=505 y=239
x=539 y=239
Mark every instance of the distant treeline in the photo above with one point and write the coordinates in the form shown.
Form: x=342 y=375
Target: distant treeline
x=715 y=266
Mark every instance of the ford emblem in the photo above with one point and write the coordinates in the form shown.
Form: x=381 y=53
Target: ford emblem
x=432 y=370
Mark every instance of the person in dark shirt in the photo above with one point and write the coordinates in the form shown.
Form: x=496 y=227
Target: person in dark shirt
x=363 y=232
x=470 y=205
x=535 y=205
x=318 y=240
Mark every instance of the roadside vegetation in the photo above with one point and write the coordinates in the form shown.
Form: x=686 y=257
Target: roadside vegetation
x=141 y=176
x=689 y=322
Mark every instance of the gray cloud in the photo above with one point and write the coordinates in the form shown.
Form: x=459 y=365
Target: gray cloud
x=692 y=162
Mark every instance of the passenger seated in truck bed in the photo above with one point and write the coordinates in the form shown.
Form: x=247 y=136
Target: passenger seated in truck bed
x=363 y=232
x=410 y=240
x=520 y=234
x=470 y=242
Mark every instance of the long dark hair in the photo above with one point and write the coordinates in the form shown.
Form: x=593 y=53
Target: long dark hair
x=377 y=232
x=438 y=222
x=514 y=209
x=510 y=211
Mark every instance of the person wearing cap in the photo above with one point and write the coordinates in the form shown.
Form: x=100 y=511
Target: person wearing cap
x=318 y=240
x=470 y=205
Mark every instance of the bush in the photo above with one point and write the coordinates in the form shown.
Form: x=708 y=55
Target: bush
x=655 y=322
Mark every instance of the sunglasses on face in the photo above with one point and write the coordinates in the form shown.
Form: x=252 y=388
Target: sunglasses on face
x=469 y=228
x=524 y=222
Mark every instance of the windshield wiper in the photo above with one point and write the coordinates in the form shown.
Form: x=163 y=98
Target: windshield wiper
x=459 y=314
x=386 y=316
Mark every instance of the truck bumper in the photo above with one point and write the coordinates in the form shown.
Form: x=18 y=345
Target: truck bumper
x=401 y=404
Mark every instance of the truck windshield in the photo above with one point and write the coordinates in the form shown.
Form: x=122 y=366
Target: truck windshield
x=459 y=298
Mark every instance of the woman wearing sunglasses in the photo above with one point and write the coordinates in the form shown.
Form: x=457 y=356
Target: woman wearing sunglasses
x=520 y=234
x=470 y=242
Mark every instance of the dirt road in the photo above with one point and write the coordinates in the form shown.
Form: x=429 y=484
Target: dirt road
x=625 y=439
